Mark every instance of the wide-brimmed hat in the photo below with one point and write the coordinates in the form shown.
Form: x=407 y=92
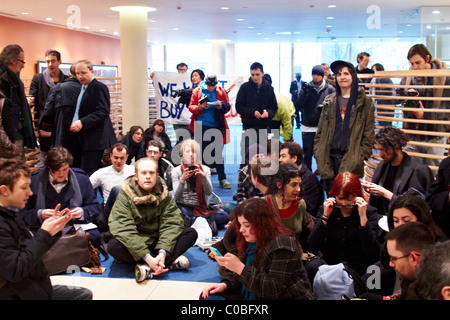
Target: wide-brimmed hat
x=340 y=63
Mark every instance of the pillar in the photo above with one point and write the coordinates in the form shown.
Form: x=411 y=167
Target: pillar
x=133 y=47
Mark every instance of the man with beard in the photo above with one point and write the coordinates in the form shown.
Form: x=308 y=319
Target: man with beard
x=397 y=172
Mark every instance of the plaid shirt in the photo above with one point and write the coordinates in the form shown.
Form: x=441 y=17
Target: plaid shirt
x=246 y=189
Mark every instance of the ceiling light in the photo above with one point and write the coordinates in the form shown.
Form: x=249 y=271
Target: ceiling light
x=25 y=13
x=283 y=33
x=329 y=26
x=87 y=28
x=330 y=18
x=428 y=27
x=224 y=8
x=175 y=29
x=435 y=12
x=49 y=19
x=115 y=33
x=239 y=19
x=102 y=30
x=332 y=6
x=251 y=27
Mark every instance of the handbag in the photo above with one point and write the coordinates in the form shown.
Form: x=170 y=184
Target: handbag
x=70 y=250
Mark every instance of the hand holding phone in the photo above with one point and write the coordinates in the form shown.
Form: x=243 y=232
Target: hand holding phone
x=215 y=251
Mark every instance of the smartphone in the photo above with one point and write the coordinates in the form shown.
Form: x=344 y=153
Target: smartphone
x=64 y=212
x=214 y=250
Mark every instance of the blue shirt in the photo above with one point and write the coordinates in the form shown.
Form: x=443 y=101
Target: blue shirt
x=207 y=116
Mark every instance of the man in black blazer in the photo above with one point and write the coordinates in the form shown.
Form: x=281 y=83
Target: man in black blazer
x=91 y=120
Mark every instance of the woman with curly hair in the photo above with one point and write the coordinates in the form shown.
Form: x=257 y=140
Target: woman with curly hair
x=268 y=264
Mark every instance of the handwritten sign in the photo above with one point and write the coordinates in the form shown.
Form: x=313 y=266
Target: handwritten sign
x=167 y=83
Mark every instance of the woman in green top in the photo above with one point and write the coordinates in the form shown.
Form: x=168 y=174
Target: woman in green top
x=282 y=191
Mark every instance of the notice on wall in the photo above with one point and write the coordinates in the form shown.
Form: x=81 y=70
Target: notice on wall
x=167 y=83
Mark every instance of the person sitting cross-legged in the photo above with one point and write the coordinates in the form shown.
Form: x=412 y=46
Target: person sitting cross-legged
x=147 y=226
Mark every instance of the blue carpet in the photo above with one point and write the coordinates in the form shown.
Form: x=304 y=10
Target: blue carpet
x=202 y=268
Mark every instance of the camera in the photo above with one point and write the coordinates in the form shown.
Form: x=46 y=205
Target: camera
x=203 y=100
x=411 y=104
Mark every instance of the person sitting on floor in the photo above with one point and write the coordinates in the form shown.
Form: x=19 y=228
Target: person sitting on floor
x=312 y=191
x=155 y=151
x=192 y=185
x=157 y=131
x=147 y=226
x=347 y=227
x=58 y=183
x=22 y=273
x=109 y=180
x=135 y=144
x=268 y=264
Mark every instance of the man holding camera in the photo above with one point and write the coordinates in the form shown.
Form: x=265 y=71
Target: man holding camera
x=209 y=104
x=420 y=59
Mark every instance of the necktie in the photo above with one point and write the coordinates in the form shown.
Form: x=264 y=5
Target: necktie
x=77 y=109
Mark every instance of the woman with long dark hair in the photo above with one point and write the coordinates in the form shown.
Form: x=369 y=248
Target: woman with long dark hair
x=268 y=264
x=283 y=194
x=157 y=131
x=135 y=144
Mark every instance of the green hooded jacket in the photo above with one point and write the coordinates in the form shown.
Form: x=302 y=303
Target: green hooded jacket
x=140 y=219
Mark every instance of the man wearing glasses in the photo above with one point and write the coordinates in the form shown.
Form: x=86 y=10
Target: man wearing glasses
x=16 y=116
x=405 y=244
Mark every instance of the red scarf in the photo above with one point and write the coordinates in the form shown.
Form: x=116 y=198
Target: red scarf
x=201 y=209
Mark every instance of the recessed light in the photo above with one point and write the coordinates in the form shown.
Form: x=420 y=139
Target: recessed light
x=330 y=18
x=87 y=28
x=102 y=30
x=115 y=33
x=239 y=19
x=428 y=27
x=175 y=29
x=435 y=12
x=224 y=8
x=49 y=19
x=332 y=6
x=25 y=13
x=251 y=27
x=329 y=26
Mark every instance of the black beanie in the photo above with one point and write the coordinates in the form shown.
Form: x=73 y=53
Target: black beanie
x=318 y=70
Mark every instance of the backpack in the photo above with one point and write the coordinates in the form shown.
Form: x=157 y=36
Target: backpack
x=331 y=282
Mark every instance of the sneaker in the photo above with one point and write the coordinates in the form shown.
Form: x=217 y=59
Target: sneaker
x=180 y=263
x=224 y=184
x=143 y=272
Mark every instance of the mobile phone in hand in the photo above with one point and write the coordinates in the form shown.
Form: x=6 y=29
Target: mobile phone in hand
x=215 y=251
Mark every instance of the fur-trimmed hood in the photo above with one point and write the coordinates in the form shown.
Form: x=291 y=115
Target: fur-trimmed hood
x=140 y=196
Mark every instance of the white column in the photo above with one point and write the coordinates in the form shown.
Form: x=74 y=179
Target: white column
x=218 y=56
x=133 y=47
x=230 y=67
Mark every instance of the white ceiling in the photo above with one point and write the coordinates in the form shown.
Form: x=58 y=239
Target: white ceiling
x=197 y=21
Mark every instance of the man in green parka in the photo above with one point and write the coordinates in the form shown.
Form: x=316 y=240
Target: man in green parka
x=147 y=226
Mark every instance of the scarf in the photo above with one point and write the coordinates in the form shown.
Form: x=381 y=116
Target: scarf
x=48 y=78
x=251 y=251
x=76 y=201
x=25 y=130
x=201 y=210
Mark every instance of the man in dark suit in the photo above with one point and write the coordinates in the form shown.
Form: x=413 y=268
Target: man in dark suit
x=39 y=89
x=91 y=120
x=295 y=89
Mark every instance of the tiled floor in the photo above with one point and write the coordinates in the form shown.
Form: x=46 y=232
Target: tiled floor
x=128 y=289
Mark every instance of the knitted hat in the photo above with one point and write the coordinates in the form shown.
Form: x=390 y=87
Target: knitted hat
x=318 y=70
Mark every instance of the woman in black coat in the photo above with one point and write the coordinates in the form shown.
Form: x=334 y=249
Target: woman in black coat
x=347 y=227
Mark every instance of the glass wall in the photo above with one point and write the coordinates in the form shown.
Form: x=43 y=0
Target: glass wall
x=283 y=60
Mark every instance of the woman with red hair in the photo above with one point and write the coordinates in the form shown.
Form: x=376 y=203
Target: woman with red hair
x=347 y=227
x=270 y=265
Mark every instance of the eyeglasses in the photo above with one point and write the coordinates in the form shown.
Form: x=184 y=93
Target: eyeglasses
x=21 y=61
x=394 y=259
x=347 y=206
